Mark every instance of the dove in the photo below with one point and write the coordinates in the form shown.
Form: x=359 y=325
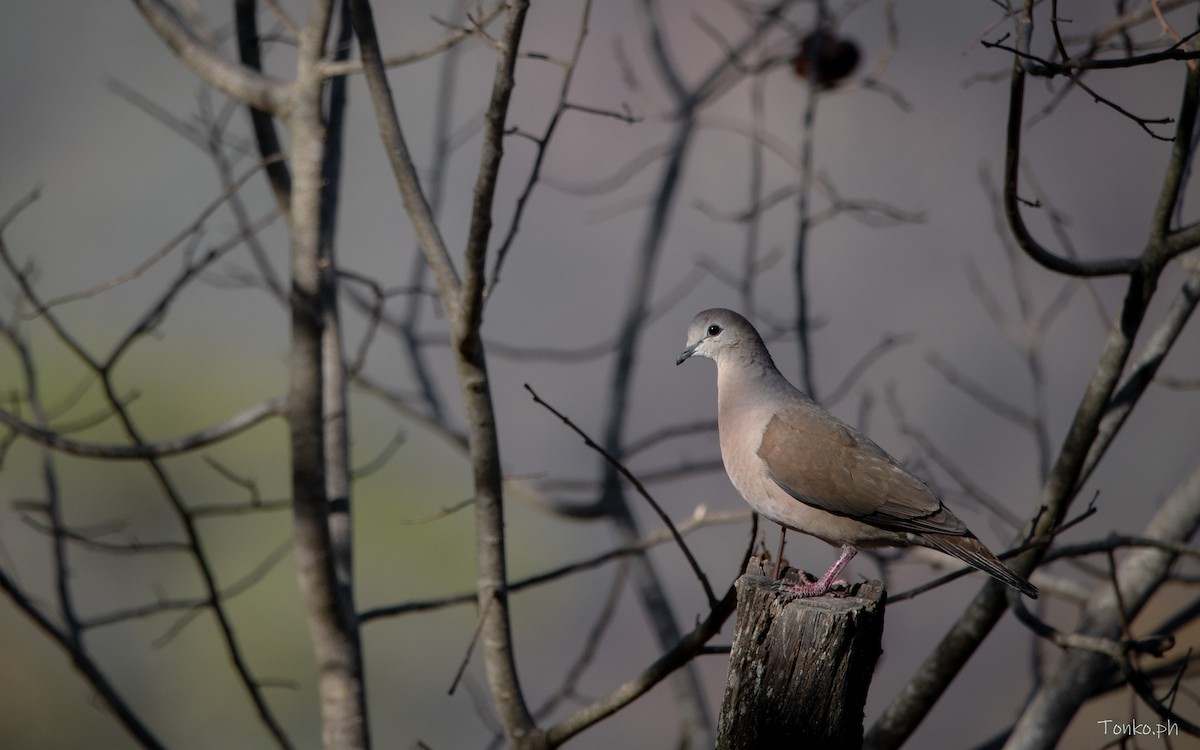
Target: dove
x=806 y=470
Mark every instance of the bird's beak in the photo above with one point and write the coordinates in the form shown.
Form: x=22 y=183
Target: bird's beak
x=687 y=352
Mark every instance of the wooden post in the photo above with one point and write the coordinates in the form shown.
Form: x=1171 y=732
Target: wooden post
x=799 y=669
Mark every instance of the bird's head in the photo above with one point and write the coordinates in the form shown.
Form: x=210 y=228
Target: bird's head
x=718 y=333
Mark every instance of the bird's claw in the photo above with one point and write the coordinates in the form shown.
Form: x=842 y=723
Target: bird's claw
x=812 y=588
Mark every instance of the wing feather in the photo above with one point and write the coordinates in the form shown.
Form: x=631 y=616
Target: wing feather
x=824 y=463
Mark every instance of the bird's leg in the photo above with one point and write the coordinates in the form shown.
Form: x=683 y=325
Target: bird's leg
x=779 y=557
x=828 y=579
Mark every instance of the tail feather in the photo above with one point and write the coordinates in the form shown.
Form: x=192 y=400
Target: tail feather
x=970 y=550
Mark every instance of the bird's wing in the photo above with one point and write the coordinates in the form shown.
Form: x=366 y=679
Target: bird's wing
x=824 y=463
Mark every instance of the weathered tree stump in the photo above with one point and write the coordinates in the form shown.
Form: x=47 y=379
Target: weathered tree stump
x=799 y=669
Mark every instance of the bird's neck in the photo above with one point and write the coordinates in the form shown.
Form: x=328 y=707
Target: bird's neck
x=749 y=365
x=742 y=382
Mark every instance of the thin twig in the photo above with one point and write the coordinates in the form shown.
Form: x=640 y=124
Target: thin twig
x=173 y=243
x=462 y=667
x=697 y=521
x=641 y=490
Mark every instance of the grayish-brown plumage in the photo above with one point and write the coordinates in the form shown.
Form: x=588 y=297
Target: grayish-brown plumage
x=805 y=469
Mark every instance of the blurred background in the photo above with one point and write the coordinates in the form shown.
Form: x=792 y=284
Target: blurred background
x=923 y=144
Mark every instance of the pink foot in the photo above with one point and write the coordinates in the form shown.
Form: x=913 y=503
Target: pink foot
x=828 y=583
x=815 y=588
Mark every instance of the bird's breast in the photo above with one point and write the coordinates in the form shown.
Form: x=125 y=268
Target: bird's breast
x=741 y=432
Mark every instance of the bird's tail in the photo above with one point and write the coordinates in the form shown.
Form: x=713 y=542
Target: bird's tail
x=971 y=551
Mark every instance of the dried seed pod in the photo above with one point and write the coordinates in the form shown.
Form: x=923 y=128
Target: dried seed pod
x=834 y=58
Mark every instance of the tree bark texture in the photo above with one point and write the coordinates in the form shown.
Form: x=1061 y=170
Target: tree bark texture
x=800 y=668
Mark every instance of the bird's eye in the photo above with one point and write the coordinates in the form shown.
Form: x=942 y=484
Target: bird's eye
x=714 y=329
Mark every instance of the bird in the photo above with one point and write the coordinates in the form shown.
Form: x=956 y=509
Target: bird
x=806 y=470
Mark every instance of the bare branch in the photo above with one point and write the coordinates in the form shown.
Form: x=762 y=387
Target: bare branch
x=23 y=203
x=591 y=645
x=1143 y=370
x=646 y=442
x=142 y=450
x=474 y=289
x=542 y=143
x=456 y=36
x=682 y=652
x=174 y=242
x=1012 y=205
x=1080 y=448
x=243 y=84
x=641 y=490
x=980 y=394
x=888 y=343
x=1139 y=575
x=89 y=541
x=443 y=513
x=262 y=121
x=701 y=518
x=85 y=664
x=937 y=456
x=413 y=198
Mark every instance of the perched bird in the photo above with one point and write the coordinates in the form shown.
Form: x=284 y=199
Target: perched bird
x=805 y=469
